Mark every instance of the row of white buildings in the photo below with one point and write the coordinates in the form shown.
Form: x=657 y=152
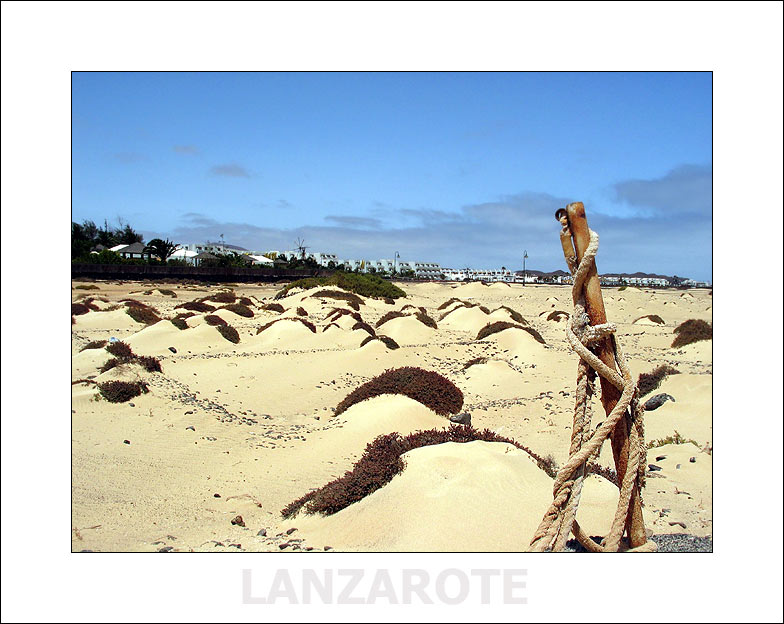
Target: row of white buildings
x=194 y=253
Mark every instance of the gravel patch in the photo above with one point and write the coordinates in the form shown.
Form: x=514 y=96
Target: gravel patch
x=667 y=543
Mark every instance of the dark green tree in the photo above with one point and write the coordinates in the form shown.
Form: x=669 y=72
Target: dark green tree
x=161 y=249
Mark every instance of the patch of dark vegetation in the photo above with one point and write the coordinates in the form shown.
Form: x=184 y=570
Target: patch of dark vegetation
x=557 y=315
x=365 y=326
x=94 y=344
x=229 y=333
x=390 y=344
x=463 y=304
x=477 y=360
x=446 y=304
x=389 y=300
x=423 y=318
x=149 y=363
x=383 y=460
x=120 y=349
x=73 y=320
x=196 y=306
x=239 y=309
x=214 y=320
x=648 y=382
x=427 y=387
x=77 y=309
x=226 y=296
x=651 y=317
x=330 y=325
x=121 y=391
x=245 y=301
x=363 y=284
x=338 y=312
x=691 y=331
x=86 y=287
x=133 y=303
x=514 y=314
x=167 y=292
x=352 y=300
x=179 y=322
x=621 y=288
x=392 y=314
x=144 y=315
x=302 y=311
x=273 y=307
x=498 y=326
x=112 y=363
x=307 y=324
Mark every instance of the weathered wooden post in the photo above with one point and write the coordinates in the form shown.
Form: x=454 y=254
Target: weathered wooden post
x=594 y=304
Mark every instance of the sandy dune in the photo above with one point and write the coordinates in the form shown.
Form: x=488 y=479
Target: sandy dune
x=254 y=422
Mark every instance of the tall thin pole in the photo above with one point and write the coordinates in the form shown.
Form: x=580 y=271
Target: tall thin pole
x=525 y=255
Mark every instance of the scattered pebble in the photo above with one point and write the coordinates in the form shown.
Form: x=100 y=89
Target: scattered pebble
x=238 y=521
x=126 y=441
x=262 y=533
x=216 y=495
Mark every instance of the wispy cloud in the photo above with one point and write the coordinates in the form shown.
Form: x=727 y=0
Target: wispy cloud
x=229 y=171
x=684 y=190
x=189 y=150
x=128 y=158
x=354 y=222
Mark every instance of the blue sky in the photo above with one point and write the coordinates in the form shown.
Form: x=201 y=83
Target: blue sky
x=465 y=169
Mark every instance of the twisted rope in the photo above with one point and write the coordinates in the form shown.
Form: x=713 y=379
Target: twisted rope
x=559 y=520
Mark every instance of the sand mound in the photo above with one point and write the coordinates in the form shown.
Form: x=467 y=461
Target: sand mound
x=408 y=330
x=466 y=319
x=156 y=339
x=649 y=319
x=482 y=378
x=115 y=319
x=499 y=286
x=482 y=496
x=88 y=362
x=690 y=413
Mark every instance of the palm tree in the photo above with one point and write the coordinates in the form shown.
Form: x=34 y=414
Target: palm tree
x=161 y=249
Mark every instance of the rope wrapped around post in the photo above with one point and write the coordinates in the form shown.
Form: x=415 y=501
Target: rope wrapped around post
x=560 y=519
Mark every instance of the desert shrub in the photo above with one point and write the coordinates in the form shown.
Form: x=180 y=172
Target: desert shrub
x=197 y=306
x=239 y=309
x=245 y=301
x=621 y=288
x=557 y=315
x=477 y=360
x=423 y=318
x=446 y=304
x=363 y=284
x=338 y=312
x=133 y=303
x=121 y=391
x=516 y=316
x=498 y=326
x=392 y=314
x=352 y=300
x=86 y=287
x=382 y=461
x=149 y=363
x=365 y=326
x=110 y=364
x=229 y=333
x=120 y=349
x=427 y=387
x=651 y=317
x=179 y=323
x=677 y=438
x=73 y=320
x=167 y=292
x=692 y=331
x=330 y=325
x=389 y=300
x=390 y=344
x=94 y=344
x=302 y=311
x=226 y=296
x=77 y=309
x=144 y=315
x=307 y=324
x=212 y=319
x=648 y=382
x=273 y=307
